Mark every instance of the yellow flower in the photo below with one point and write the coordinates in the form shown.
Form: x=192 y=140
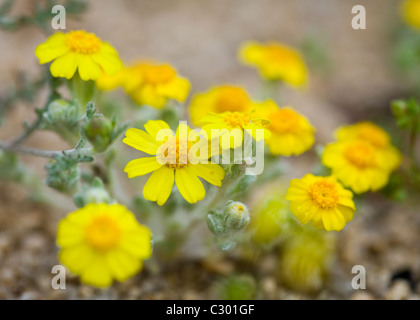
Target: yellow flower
x=78 y=50
x=374 y=135
x=275 y=61
x=219 y=100
x=102 y=242
x=153 y=84
x=357 y=164
x=177 y=158
x=410 y=11
x=291 y=133
x=306 y=260
x=321 y=200
x=232 y=127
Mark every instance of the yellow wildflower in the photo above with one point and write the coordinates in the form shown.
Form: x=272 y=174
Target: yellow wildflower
x=174 y=160
x=321 y=200
x=219 y=100
x=410 y=11
x=78 y=50
x=291 y=133
x=232 y=127
x=357 y=164
x=153 y=84
x=102 y=242
x=276 y=61
x=374 y=135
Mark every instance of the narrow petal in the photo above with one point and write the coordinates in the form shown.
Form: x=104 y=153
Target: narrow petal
x=333 y=220
x=97 y=274
x=88 y=68
x=212 y=173
x=65 y=66
x=154 y=126
x=177 y=89
x=159 y=186
x=111 y=64
x=141 y=140
x=189 y=185
x=142 y=166
x=122 y=265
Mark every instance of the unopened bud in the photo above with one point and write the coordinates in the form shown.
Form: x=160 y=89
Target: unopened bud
x=236 y=216
x=99 y=133
x=60 y=113
x=94 y=194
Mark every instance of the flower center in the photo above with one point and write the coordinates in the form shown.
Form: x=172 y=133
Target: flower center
x=324 y=194
x=284 y=121
x=176 y=154
x=103 y=233
x=374 y=135
x=231 y=99
x=159 y=74
x=360 y=154
x=236 y=120
x=83 y=42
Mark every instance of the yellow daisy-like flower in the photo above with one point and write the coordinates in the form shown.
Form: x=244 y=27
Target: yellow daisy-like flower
x=357 y=164
x=102 y=242
x=153 y=84
x=321 y=200
x=410 y=11
x=276 y=61
x=232 y=127
x=219 y=100
x=177 y=158
x=291 y=133
x=78 y=50
x=374 y=135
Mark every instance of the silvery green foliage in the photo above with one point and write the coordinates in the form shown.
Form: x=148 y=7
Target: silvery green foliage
x=96 y=193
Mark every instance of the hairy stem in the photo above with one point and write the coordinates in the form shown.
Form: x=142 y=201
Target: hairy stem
x=48 y=154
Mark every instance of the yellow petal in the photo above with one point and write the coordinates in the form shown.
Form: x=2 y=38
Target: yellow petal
x=189 y=185
x=142 y=166
x=137 y=241
x=159 y=186
x=141 y=140
x=88 y=68
x=111 y=64
x=76 y=258
x=147 y=95
x=97 y=274
x=212 y=173
x=65 y=66
x=122 y=265
x=333 y=220
x=55 y=47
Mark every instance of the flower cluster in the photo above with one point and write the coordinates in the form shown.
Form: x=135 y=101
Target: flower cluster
x=102 y=241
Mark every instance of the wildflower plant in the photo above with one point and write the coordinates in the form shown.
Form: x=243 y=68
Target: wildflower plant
x=145 y=171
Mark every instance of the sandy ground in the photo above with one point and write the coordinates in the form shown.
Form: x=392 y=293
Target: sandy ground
x=201 y=39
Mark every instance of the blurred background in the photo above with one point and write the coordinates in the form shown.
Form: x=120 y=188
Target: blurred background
x=352 y=78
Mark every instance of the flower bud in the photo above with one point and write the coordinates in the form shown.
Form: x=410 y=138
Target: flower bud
x=60 y=113
x=99 y=133
x=236 y=216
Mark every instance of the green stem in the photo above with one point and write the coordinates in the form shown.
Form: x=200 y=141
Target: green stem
x=48 y=154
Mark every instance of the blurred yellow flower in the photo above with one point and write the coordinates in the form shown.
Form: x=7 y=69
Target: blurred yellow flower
x=306 y=260
x=233 y=125
x=374 y=135
x=291 y=133
x=321 y=200
x=219 y=100
x=175 y=163
x=102 y=242
x=78 y=50
x=153 y=84
x=271 y=218
x=275 y=61
x=357 y=164
x=410 y=10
